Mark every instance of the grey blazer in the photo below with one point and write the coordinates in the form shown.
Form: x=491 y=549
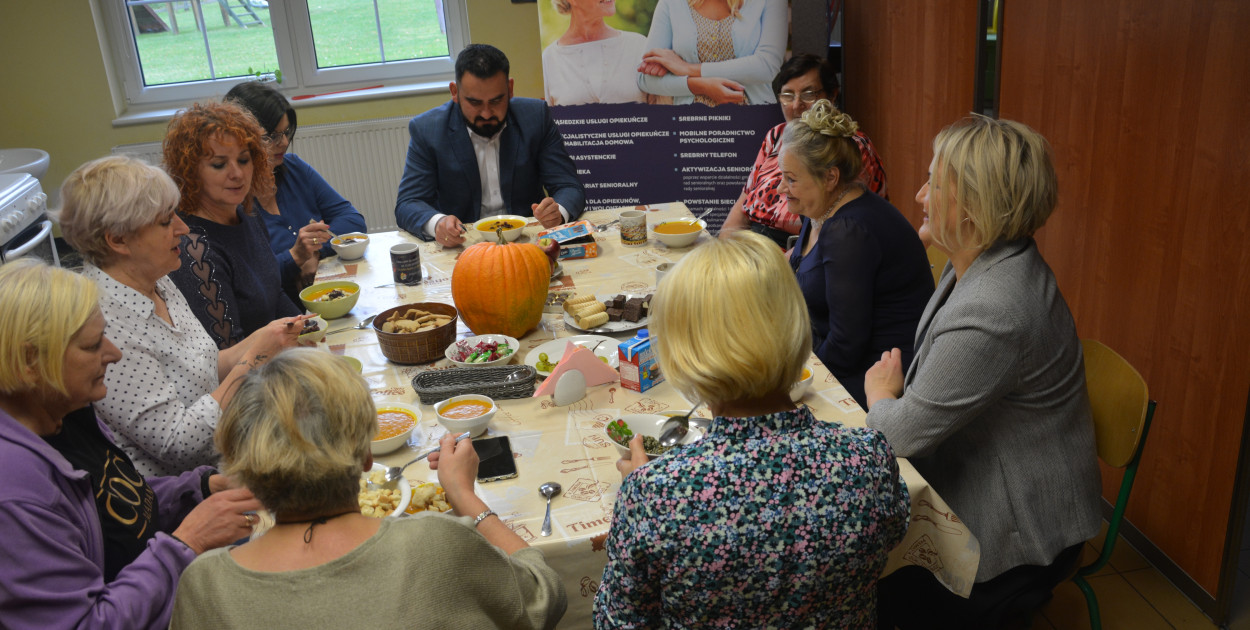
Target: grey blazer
x=994 y=411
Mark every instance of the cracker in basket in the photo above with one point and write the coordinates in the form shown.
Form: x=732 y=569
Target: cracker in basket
x=415 y=320
x=593 y=320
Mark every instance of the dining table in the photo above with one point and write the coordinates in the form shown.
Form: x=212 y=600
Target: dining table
x=567 y=444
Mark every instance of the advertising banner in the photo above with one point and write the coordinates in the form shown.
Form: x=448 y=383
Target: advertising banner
x=663 y=100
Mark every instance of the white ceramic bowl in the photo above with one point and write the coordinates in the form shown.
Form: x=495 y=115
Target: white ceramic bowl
x=805 y=381
x=354 y=362
x=350 y=246
x=485 y=227
x=467 y=344
x=679 y=240
x=333 y=309
x=475 y=426
x=405 y=492
x=649 y=424
x=317 y=335
x=390 y=444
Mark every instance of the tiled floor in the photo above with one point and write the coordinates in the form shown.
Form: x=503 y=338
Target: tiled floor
x=1132 y=595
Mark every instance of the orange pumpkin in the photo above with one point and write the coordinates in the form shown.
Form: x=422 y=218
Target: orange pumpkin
x=501 y=288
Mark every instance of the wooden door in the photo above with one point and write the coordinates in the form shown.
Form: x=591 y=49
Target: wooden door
x=1146 y=105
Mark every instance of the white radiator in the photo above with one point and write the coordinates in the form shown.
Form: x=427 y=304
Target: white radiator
x=363 y=160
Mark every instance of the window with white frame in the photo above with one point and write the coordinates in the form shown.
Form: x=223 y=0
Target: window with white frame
x=177 y=51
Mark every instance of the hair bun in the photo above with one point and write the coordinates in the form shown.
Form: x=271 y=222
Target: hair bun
x=825 y=119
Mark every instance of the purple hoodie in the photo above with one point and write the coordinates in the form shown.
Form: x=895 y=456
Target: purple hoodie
x=52 y=548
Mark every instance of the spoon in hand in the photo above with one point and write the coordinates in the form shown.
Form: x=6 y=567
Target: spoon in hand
x=675 y=428
x=394 y=473
x=549 y=489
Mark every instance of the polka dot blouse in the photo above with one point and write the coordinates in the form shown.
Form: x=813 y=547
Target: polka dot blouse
x=158 y=403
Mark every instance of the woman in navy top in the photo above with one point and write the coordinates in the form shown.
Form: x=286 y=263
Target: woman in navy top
x=303 y=209
x=860 y=265
x=229 y=276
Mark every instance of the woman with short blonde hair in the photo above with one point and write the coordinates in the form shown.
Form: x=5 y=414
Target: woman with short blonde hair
x=1002 y=173
x=702 y=536
x=167 y=392
x=998 y=376
x=692 y=316
x=298 y=433
x=863 y=271
x=88 y=540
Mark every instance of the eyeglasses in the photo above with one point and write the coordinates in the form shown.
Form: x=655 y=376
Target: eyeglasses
x=807 y=96
x=272 y=137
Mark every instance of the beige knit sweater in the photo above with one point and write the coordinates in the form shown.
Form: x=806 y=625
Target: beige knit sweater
x=427 y=571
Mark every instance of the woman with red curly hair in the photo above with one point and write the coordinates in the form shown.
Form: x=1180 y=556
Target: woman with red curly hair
x=216 y=155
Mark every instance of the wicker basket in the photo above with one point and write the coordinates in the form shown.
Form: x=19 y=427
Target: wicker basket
x=418 y=347
x=499 y=382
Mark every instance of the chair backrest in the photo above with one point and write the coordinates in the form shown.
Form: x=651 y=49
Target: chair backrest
x=1119 y=400
x=937 y=262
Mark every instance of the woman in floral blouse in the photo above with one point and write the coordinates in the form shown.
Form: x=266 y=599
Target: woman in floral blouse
x=774 y=518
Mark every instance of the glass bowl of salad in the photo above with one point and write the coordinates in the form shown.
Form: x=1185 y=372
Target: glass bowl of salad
x=481 y=350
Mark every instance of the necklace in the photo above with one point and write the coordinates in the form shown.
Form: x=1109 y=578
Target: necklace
x=833 y=206
x=313 y=522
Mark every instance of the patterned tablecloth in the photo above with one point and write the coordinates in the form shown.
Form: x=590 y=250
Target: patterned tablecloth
x=566 y=444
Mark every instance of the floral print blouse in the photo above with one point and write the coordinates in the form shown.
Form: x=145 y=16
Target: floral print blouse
x=772 y=521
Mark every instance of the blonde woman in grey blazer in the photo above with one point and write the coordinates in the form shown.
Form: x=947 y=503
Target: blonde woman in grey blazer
x=993 y=409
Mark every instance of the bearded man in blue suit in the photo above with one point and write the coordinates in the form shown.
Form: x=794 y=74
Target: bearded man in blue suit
x=485 y=153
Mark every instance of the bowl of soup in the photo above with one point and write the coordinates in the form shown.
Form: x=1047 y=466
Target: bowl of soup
x=331 y=300
x=805 y=381
x=512 y=225
x=469 y=412
x=350 y=246
x=679 y=232
x=395 y=423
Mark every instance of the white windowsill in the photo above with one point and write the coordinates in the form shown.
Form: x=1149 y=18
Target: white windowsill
x=139 y=115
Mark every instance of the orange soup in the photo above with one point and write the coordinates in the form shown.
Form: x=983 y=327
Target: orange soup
x=464 y=409
x=392 y=422
x=507 y=224
x=325 y=296
x=677 y=227
x=806 y=374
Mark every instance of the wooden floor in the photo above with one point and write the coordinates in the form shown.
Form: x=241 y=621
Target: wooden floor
x=1132 y=595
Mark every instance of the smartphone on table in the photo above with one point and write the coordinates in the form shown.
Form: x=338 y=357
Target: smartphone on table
x=495 y=459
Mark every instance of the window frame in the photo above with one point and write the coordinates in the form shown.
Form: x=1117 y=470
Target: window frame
x=293 y=42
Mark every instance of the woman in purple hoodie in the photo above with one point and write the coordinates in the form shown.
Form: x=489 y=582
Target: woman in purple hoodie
x=88 y=541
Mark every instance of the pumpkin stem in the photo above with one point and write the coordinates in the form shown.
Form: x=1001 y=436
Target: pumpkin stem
x=499 y=232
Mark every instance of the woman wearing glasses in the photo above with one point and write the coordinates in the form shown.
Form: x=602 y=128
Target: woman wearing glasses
x=303 y=209
x=803 y=80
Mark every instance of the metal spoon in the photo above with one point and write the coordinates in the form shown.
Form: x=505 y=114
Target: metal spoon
x=364 y=323
x=395 y=473
x=675 y=428
x=549 y=489
x=696 y=219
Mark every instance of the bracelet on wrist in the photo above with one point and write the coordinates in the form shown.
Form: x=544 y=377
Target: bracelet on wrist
x=483 y=516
